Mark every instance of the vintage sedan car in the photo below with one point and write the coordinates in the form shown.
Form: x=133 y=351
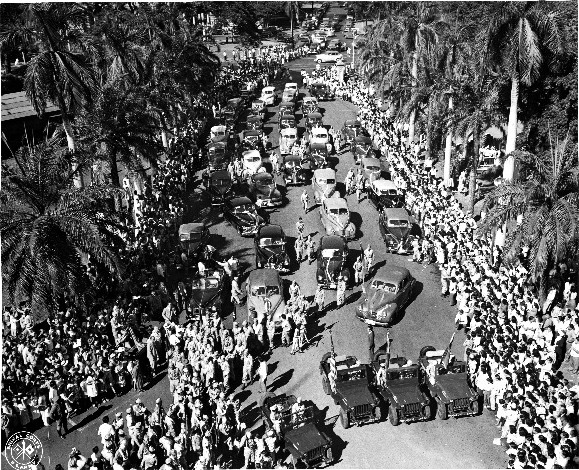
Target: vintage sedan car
x=403 y=392
x=291 y=86
x=287 y=138
x=385 y=194
x=217 y=133
x=193 y=237
x=268 y=96
x=335 y=45
x=310 y=105
x=370 y=169
x=295 y=170
x=395 y=225
x=258 y=108
x=263 y=190
x=244 y=215
x=251 y=161
x=218 y=185
x=351 y=389
x=286 y=106
x=329 y=56
x=319 y=38
x=324 y=184
x=361 y=147
x=271 y=248
x=331 y=261
x=262 y=284
x=218 y=156
x=448 y=383
x=288 y=121
x=248 y=95
x=335 y=217
x=314 y=120
x=318 y=135
x=385 y=296
x=207 y=291
x=286 y=113
x=301 y=431
x=289 y=95
x=351 y=129
x=321 y=92
x=317 y=156
x=254 y=122
x=231 y=111
x=251 y=139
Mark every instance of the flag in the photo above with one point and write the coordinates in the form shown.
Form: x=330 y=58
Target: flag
x=387 y=349
x=446 y=355
x=332 y=345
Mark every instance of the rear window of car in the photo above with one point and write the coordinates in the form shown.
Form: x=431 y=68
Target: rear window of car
x=270 y=241
x=397 y=223
x=339 y=211
x=205 y=283
x=383 y=285
x=327 y=181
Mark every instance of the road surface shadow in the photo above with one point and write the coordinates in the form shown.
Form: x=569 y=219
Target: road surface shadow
x=356 y=219
x=250 y=414
x=281 y=380
x=91 y=416
x=242 y=395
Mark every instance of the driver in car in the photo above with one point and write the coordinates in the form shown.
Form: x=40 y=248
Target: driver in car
x=381 y=375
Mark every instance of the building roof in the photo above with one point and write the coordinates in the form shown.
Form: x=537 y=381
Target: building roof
x=18 y=106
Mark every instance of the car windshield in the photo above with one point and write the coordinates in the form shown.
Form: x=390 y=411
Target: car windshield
x=385 y=286
x=389 y=192
x=339 y=211
x=331 y=253
x=252 y=159
x=354 y=125
x=321 y=136
x=205 y=283
x=271 y=242
x=195 y=235
x=216 y=152
x=402 y=374
x=347 y=375
x=220 y=182
x=266 y=291
x=244 y=208
x=290 y=136
x=219 y=133
x=373 y=168
x=267 y=92
x=327 y=181
x=397 y=223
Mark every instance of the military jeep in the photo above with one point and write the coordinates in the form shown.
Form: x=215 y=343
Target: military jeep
x=403 y=391
x=448 y=384
x=351 y=389
x=300 y=431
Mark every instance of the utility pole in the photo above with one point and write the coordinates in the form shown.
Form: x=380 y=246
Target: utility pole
x=354 y=36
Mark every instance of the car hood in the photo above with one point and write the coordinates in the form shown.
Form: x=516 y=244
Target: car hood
x=355 y=394
x=454 y=386
x=219 y=189
x=340 y=221
x=405 y=392
x=305 y=438
x=267 y=191
x=250 y=218
x=276 y=251
x=259 y=304
x=204 y=297
x=330 y=268
x=377 y=298
x=399 y=232
x=252 y=166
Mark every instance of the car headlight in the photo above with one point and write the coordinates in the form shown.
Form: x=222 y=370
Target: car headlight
x=320 y=277
x=364 y=307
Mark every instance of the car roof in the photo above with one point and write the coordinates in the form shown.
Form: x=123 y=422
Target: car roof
x=320 y=129
x=271 y=231
x=291 y=83
x=350 y=122
x=288 y=117
x=251 y=132
x=268 y=88
x=262 y=176
x=383 y=184
x=325 y=173
x=336 y=203
x=286 y=103
x=220 y=174
x=314 y=115
x=234 y=100
x=392 y=273
x=251 y=153
x=293 y=158
x=333 y=242
x=310 y=99
x=261 y=276
x=218 y=128
x=257 y=101
x=362 y=138
x=289 y=131
x=397 y=213
x=194 y=227
x=370 y=161
x=254 y=117
x=318 y=146
x=218 y=144
x=239 y=201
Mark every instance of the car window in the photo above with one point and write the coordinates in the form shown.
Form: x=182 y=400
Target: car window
x=372 y=168
x=259 y=291
x=397 y=223
x=244 y=208
x=205 y=283
x=271 y=241
x=385 y=286
x=272 y=290
x=331 y=253
x=339 y=211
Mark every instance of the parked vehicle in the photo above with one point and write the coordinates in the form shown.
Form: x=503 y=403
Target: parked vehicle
x=318 y=135
x=324 y=184
x=263 y=191
x=287 y=138
x=193 y=237
x=335 y=45
x=321 y=92
x=218 y=156
x=331 y=261
x=207 y=291
x=335 y=218
x=252 y=162
x=291 y=86
x=270 y=248
x=385 y=194
x=317 y=156
x=313 y=120
x=329 y=56
x=251 y=139
x=448 y=383
x=370 y=169
x=310 y=105
x=217 y=133
x=231 y=111
x=286 y=107
x=254 y=122
x=295 y=170
x=265 y=284
x=386 y=294
x=361 y=147
x=218 y=186
x=351 y=389
x=300 y=431
x=268 y=96
x=287 y=121
x=248 y=95
x=244 y=215
x=395 y=225
x=289 y=95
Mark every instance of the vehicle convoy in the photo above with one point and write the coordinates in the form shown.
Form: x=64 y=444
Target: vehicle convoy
x=218 y=156
x=324 y=184
x=351 y=129
x=395 y=225
x=349 y=384
x=244 y=215
x=331 y=261
x=402 y=390
x=271 y=248
x=219 y=186
x=193 y=237
x=258 y=108
x=448 y=383
x=386 y=294
x=361 y=146
x=335 y=217
x=254 y=122
x=251 y=161
x=370 y=169
x=295 y=170
x=207 y=291
x=385 y=194
x=299 y=427
x=251 y=139
x=265 y=296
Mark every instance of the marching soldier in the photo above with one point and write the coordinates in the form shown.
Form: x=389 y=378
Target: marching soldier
x=340 y=292
x=320 y=297
x=311 y=249
x=300 y=226
x=369 y=258
x=299 y=248
x=358 y=270
x=305 y=200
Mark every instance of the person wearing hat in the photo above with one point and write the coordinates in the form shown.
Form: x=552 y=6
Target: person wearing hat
x=340 y=291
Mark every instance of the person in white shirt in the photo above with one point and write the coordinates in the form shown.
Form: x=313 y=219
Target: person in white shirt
x=105 y=431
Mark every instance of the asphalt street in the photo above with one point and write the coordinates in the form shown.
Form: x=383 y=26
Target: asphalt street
x=428 y=320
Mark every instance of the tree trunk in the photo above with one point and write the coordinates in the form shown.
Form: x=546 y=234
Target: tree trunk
x=412 y=121
x=115 y=180
x=291 y=21
x=448 y=152
x=509 y=168
x=429 y=130
x=474 y=165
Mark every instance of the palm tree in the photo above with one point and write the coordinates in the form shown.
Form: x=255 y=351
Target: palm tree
x=542 y=208
x=521 y=36
x=47 y=229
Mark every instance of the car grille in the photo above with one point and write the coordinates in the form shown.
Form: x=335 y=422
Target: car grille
x=362 y=410
x=460 y=404
x=412 y=409
x=316 y=454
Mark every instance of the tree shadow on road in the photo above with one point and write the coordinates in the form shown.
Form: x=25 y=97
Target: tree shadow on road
x=90 y=417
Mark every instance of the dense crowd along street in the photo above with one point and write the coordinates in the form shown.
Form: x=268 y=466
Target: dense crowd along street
x=303 y=284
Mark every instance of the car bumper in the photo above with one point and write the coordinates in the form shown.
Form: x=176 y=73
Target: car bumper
x=367 y=318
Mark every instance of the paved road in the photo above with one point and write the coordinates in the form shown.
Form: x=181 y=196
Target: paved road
x=463 y=443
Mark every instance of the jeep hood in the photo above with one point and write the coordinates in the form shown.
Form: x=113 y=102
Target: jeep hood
x=454 y=386
x=405 y=392
x=355 y=394
x=204 y=297
x=304 y=439
x=220 y=190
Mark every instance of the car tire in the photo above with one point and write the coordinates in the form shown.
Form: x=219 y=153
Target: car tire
x=427 y=412
x=326 y=385
x=426 y=349
x=344 y=418
x=378 y=413
x=442 y=411
x=393 y=415
x=329 y=455
x=319 y=61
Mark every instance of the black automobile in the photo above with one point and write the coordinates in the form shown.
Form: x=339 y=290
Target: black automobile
x=395 y=225
x=231 y=111
x=263 y=190
x=314 y=120
x=317 y=156
x=270 y=248
x=361 y=147
x=286 y=106
x=285 y=113
x=254 y=122
x=218 y=185
x=351 y=129
x=218 y=156
x=310 y=105
x=295 y=170
x=331 y=261
x=251 y=139
x=288 y=121
x=243 y=214
x=207 y=292
x=247 y=95
x=321 y=92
